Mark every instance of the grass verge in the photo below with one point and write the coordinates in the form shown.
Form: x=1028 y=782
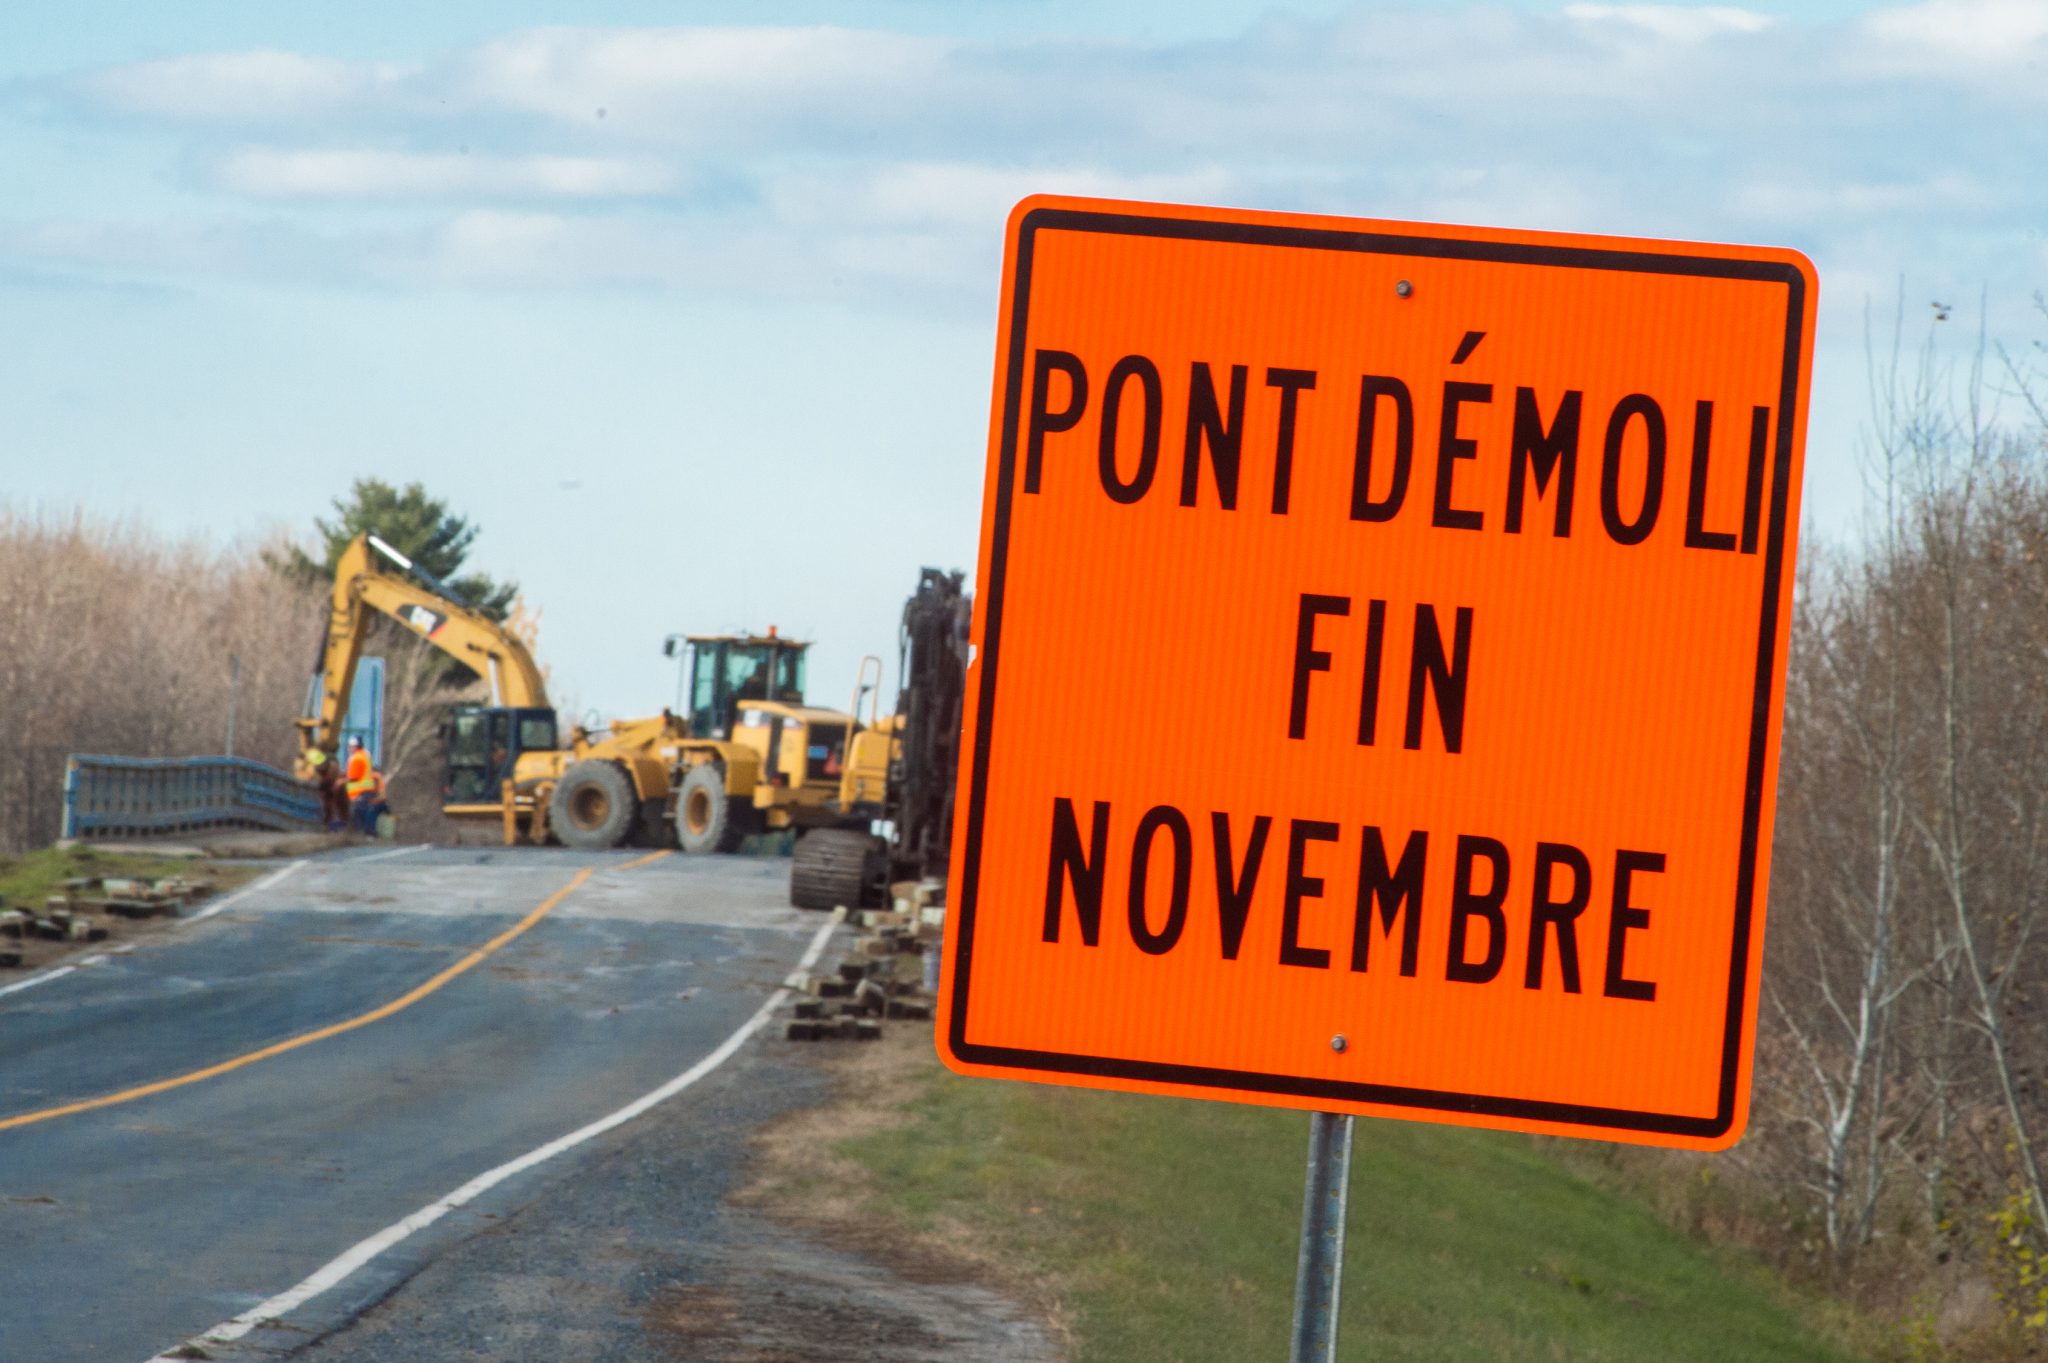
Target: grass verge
x=1163 y=1229
x=29 y=877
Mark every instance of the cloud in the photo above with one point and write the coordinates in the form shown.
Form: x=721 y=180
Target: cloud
x=1961 y=35
x=1940 y=196
x=239 y=86
x=904 y=267
x=875 y=164
x=728 y=91
x=480 y=246
x=182 y=252
x=693 y=79
x=874 y=264
x=1685 y=24
x=405 y=175
x=966 y=195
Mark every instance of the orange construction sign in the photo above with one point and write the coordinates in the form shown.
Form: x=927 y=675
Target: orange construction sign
x=1380 y=649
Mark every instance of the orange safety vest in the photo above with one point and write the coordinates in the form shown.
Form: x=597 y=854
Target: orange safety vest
x=359 y=772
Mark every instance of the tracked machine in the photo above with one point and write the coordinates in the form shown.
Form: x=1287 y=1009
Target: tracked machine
x=918 y=748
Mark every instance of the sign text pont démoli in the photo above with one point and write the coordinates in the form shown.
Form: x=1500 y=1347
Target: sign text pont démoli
x=1512 y=914
x=1552 y=443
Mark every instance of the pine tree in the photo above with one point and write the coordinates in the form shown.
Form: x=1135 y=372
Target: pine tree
x=417 y=525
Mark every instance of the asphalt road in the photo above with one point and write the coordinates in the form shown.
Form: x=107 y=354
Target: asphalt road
x=128 y=1228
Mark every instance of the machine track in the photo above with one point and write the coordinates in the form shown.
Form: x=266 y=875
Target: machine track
x=834 y=866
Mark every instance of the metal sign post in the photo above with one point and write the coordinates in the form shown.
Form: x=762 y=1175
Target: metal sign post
x=1321 y=1270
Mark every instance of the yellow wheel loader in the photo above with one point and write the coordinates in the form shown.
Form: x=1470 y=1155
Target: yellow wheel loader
x=756 y=758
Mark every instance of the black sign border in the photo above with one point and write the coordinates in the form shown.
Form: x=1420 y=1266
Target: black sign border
x=965 y=895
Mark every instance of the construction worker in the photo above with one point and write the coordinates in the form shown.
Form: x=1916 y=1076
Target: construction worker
x=371 y=806
x=325 y=773
x=362 y=782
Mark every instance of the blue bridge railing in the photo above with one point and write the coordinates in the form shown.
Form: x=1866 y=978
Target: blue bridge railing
x=138 y=797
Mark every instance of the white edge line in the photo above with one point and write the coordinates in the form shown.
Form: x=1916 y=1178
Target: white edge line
x=273 y=878
x=34 y=980
x=59 y=972
x=388 y=852
x=342 y=1266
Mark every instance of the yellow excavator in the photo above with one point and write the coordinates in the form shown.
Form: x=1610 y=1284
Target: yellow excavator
x=748 y=757
x=506 y=762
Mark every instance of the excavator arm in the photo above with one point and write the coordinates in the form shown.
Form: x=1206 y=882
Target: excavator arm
x=362 y=586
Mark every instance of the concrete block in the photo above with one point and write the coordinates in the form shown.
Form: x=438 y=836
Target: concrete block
x=138 y=908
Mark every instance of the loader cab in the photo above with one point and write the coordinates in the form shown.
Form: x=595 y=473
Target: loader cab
x=728 y=669
x=484 y=744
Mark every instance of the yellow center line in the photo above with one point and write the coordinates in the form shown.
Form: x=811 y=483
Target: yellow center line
x=377 y=1014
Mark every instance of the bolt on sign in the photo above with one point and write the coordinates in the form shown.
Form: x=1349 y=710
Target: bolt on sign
x=1380 y=652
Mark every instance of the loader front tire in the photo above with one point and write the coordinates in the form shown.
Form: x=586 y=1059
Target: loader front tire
x=594 y=806
x=705 y=818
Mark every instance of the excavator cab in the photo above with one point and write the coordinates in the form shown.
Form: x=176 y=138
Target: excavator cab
x=728 y=669
x=484 y=744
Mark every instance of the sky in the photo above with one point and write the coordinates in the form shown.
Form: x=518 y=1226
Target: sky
x=691 y=306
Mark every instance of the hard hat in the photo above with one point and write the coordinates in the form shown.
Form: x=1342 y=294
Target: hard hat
x=355 y=742
x=315 y=757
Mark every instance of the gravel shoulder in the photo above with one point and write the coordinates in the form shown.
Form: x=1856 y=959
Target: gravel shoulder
x=701 y=1233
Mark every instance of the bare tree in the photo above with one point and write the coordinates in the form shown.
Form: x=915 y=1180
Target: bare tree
x=1984 y=821
x=114 y=640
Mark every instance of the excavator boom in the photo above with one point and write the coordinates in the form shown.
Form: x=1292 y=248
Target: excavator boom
x=362 y=586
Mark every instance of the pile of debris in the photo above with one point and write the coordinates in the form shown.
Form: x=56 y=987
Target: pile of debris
x=891 y=972
x=78 y=911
